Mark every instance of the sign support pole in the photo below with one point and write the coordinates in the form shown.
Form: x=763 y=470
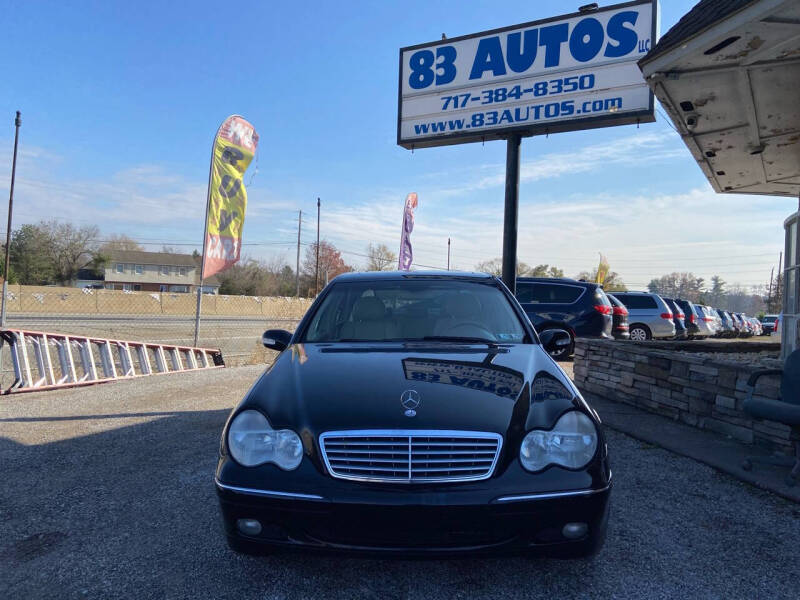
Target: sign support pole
x=510 y=222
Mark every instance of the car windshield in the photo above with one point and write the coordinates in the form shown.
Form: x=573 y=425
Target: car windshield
x=768 y=319
x=415 y=310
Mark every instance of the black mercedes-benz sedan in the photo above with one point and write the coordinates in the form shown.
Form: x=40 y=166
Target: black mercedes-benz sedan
x=416 y=414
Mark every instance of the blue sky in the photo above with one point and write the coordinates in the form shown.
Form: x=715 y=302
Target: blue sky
x=121 y=100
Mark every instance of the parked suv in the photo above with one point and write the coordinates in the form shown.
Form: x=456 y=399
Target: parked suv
x=649 y=316
x=580 y=307
x=707 y=320
x=692 y=328
x=747 y=326
x=757 y=329
x=726 y=324
x=768 y=324
x=679 y=318
x=738 y=325
x=619 y=316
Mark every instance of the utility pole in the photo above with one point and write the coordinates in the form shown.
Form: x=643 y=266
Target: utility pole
x=297 y=268
x=17 y=124
x=448 y=254
x=769 y=293
x=779 y=284
x=316 y=269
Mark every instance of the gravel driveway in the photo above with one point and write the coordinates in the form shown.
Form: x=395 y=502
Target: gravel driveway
x=107 y=493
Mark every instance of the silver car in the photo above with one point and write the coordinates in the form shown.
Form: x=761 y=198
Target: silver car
x=708 y=320
x=649 y=317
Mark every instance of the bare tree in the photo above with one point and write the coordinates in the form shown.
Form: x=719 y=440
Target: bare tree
x=681 y=285
x=495 y=267
x=546 y=271
x=71 y=248
x=116 y=242
x=250 y=277
x=380 y=258
x=613 y=282
x=331 y=264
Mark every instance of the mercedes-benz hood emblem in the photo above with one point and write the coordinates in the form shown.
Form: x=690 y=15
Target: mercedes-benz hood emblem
x=410 y=400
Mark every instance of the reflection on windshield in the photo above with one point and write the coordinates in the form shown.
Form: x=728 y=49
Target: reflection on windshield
x=299 y=352
x=483 y=376
x=404 y=310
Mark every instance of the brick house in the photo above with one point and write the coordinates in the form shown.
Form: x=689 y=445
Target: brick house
x=136 y=270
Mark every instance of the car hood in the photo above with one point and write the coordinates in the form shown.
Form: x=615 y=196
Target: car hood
x=314 y=388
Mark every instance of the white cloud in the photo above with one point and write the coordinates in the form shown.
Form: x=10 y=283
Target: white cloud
x=643 y=236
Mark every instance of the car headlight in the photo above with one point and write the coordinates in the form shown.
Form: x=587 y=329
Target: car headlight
x=570 y=443
x=253 y=442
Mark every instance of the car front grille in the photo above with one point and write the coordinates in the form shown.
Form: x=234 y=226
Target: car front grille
x=413 y=456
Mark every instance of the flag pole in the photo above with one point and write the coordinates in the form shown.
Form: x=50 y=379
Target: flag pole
x=205 y=240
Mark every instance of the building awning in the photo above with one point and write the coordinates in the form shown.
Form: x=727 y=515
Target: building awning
x=728 y=75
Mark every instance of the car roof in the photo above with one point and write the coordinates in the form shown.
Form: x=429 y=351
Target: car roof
x=404 y=275
x=568 y=280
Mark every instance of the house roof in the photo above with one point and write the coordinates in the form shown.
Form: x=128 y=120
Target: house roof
x=704 y=15
x=152 y=258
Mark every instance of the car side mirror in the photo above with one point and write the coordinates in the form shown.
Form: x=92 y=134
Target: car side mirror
x=276 y=339
x=555 y=340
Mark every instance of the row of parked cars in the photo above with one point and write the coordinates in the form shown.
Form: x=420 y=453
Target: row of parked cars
x=584 y=309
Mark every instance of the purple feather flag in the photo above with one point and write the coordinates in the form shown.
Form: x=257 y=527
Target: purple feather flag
x=406 y=254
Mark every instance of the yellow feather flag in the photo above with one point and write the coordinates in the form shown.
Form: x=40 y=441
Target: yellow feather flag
x=602 y=270
x=234 y=147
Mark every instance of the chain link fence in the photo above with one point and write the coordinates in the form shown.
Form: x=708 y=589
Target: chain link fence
x=233 y=324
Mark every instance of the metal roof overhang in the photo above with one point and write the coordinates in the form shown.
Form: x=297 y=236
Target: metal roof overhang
x=733 y=92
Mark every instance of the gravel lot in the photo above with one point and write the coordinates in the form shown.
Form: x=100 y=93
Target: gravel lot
x=107 y=492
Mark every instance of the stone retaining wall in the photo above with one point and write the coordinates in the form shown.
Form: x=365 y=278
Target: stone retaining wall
x=666 y=379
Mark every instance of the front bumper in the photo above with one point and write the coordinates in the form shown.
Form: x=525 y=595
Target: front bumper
x=520 y=523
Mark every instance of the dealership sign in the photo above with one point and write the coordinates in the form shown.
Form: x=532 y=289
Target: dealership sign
x=566 y=73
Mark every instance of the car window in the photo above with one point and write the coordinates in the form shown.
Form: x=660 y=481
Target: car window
x=768 y=319
x=402 y=310
x=638 y=302
x=524 y=292
x=552 y=293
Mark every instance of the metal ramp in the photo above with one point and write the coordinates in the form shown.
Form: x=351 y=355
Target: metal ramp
x=83 y=360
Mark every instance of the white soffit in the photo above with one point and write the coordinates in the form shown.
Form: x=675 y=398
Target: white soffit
x=733 y=92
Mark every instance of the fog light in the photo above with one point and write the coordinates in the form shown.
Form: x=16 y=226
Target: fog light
x=248 y=526
x=573 y=531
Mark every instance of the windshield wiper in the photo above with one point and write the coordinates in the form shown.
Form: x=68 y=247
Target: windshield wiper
x=366 y=340
x=458 y=338
x=427 y=338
